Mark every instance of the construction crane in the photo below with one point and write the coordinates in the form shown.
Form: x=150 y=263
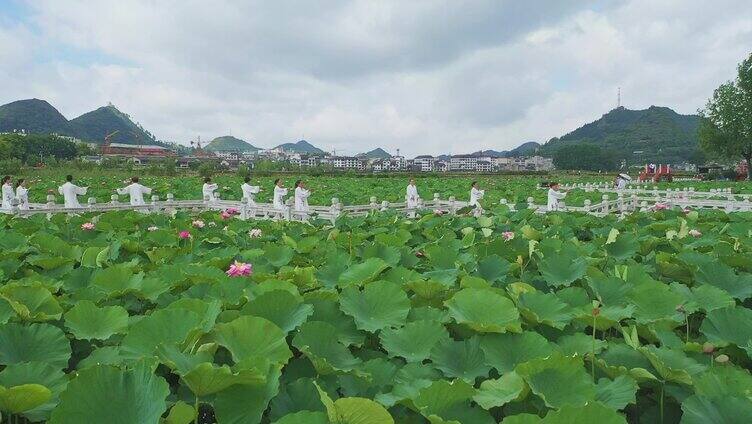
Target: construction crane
x=107 y=141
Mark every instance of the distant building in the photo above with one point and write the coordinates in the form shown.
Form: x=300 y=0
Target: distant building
x=426 y=163
x=347 y=162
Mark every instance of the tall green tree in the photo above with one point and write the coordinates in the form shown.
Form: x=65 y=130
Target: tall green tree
x=726 y=126
x=585 y=157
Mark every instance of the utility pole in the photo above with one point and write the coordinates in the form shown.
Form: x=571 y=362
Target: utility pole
x=618 y=98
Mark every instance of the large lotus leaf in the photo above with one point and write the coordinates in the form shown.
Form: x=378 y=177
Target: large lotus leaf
x=558 y=380
x=34 y=343
x=297 y=396
x=182 y=362
x=414 y=341
x=36 y=373
x=408 y=381
x=327 y=310
x=723 y=276
x=702 y=410
x=318 y=341
x=620 y=359
x=609 y=290
x=505 y=351
x=463 y=359
x=278 y=255
x=442 y=396
x=493 y=393
x=281 y=308
x=718 y=382
x=304 y=417
x=49 y=243
x=616 y=393
x=363 y=272
x=23 y=398
x=484 y=311
x=493 y=268
x=48 y=262
x=162 y=326
x=728 y=325
x=544 y=308
x=32 y=303
x=181 y=413
x=442 y=257
x=623 y=248
x=704 y=297
x=207 y=310
x=593 y=412
x=390 y=254
x=254 y=399
x=672 y=365
x=654 y=301
x=354 y=410
x=249 y=336
x=116 y=280
x=562 y=269
x=105 y=394
x=207 y=378
x=579 y=344
x=381 y=304
x=88 y=321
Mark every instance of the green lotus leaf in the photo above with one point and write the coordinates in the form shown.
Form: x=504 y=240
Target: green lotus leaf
x=381 y=304
x=728 y=325
x=704 y=298
x=34 y=343
x=18 y=399
x=116 y=280
x=181 y=413
x=162 y=326
x=616 y=393
x=414 y=341
x=442 y=257
x=278 y=255
x=729 y=409
x=723 y=276
x=281 y=308
x=88 y=321
x=138 y=396
x=672 y=365
x=624 y=247
x=505 y=351
x=408 y=381
x=48 y=262
x=304 y=417
x=318 y=341
x=249 y=336
x=484 y=311
x=182 y=362
x=362 y=273
x=493 y=393
x=493 y=268
x=620 y=359
x=558 y=380
x=390 y=254
x=463 y=359
x=36 y=373
x=353 y=410
x=522 y=419
x=32 y=303
x=207 y=378
x=49 y=243
x=90 y=255
x=442 y=396
x=328 y=311
x=562 y=269
x=254 y=399
x=207 y=310
x=544 y=308
x=654 y=301
x=719 y=382
x=593 y=412
x=579 y=344
x=6 y=310
x=297 y=396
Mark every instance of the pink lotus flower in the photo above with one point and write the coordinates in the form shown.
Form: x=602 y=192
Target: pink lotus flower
x=507 y=235
x=198 y=223
x=152 y=228
x=254 y=233
x=184 y=235
x=87 y=226
x=695 y=233
x=239 y=269
x=225 y=215
x=233 y=211
x=660 y=206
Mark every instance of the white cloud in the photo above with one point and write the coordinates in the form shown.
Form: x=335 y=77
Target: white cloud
x=423 y=76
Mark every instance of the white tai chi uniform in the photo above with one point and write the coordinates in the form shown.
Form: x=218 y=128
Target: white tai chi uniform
x=475 y=196
x=621 y=184
x=136 y=192
x=207 y=192
x=249 y=192
x=22 y=194
x=553 y=199
x=411 y=196
x=70 y=194
x=279 y=201
x=7 y=197
x=301 y=199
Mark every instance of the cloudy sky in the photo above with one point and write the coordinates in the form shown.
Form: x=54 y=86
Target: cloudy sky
x=424 y=76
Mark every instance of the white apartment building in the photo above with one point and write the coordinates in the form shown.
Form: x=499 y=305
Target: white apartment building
x=426 y=163
x=483 y=166
x=228 y=155
x=467 y=162
x=347 y=162
x=304 y=160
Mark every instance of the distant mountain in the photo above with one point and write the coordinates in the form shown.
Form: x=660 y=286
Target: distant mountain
x=230 y=143
x=524 y=149
x=377 y=153
x=33 y=116
x=301 y=146
x=656 y=135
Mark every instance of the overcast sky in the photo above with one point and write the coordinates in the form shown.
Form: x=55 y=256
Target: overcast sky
x=423 y=76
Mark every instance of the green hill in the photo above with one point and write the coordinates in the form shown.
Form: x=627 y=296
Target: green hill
x=377 y=153
x=230 y=143
x=301 y=146
x=95 y=125
x=656 y=134
x=33 y=116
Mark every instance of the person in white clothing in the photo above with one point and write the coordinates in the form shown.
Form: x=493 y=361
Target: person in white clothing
x=301 y=197
x=207 y=191
x=7 y=194
x=250 y=191
x=411 y=195
x=279 y=194
x=475 y=195
x=135 y=191
x=621 y=181
x=70 y=192
x=22 y=195
x=554 y=196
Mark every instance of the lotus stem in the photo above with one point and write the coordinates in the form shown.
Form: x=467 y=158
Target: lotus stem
x=592 y=353
x=686 y=317
x=195 y=420
x=661 y=403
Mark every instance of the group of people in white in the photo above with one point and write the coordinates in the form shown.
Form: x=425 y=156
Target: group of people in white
x=19 y=193
x=250 y=191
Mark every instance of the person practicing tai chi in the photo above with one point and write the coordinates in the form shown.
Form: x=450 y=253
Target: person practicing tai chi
x=250 y=191
x=475 y=195
x=7 y=194
x=622 y=180
x=301 y=197
x=555 y=196
x=135 y=191
x=207 y=191
x=70 y=192
x=412 y=197
x=22 y=195
x=279 y=195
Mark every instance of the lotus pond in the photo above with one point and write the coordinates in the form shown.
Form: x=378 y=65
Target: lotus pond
x=513 y=317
